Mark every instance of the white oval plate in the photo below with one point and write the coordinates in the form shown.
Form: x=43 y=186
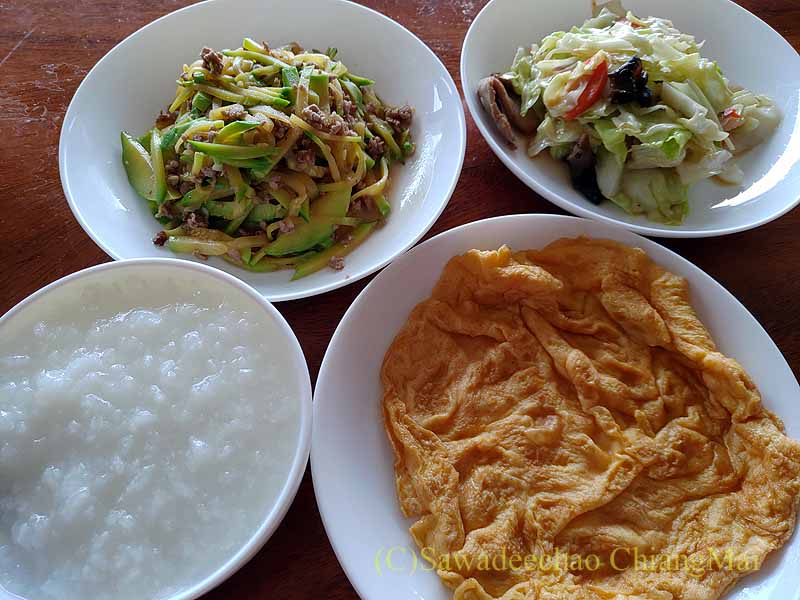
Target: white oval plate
x=352 y=463
x=136 y=79
x=164 y=273
x=751 y=54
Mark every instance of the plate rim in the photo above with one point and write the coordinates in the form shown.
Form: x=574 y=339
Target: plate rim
x=581 y=211
x=78 y=214
x=326 y=512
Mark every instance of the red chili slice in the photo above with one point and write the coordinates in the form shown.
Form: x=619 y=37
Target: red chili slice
x=731 y=113
x=594 y=89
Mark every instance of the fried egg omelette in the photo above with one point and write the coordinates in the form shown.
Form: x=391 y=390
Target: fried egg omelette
x=568 y=402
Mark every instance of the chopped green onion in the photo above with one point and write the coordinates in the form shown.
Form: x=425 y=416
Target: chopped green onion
x=201 y=102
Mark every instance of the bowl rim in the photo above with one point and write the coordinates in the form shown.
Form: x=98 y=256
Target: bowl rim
x=282 y=503
x=564 y=203
x=324 y=504
x=70 y=115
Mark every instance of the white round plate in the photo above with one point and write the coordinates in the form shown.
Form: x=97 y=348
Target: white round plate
x=751 y=54
x=136 y=79
x=172 y=281
x=351 y=461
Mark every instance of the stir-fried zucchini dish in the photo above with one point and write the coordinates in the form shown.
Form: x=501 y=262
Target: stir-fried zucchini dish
x=270 y=158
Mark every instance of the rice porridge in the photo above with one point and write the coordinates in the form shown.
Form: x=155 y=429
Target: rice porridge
x=147 y=426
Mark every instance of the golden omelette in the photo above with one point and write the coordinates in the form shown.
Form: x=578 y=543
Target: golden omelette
x=568 y=402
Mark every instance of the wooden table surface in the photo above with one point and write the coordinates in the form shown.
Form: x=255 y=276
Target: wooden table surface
x=48 y=46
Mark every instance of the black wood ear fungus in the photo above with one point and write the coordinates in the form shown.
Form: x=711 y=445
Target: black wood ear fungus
x=629 y=84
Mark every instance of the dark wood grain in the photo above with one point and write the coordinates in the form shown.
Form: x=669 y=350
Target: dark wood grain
x=48 y=46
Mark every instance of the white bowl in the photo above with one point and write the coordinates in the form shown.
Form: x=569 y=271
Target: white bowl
x=351 y=461
x=136 y=79
x=51 y=299
x=751 y=54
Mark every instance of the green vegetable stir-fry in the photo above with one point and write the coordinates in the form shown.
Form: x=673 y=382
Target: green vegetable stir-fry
x=270 y=158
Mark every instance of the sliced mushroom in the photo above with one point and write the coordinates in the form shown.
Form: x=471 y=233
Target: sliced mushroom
x=505 y=109
x=511 y=106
